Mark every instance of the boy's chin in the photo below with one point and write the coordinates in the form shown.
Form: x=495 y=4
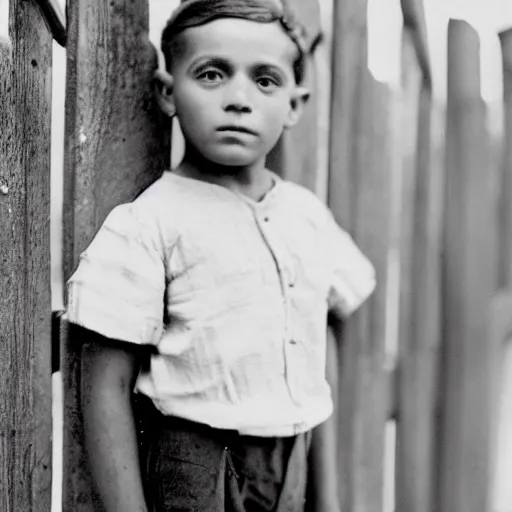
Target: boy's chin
x=234 y=159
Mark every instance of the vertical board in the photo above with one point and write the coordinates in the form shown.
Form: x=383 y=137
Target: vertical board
x=349 y=67
x=323 y=473
x=114 y=148
x=419 y=331
x=363 y=394
x=359 y=195
x=295 y=155
x=25 y=311
x=505 y=237
x=501 y=319
x=468 y=284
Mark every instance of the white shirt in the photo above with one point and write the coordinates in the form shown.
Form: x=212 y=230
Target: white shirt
x=234 y=295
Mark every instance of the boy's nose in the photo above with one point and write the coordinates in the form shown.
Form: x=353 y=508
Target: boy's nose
x=238 y=107
x=238 y=97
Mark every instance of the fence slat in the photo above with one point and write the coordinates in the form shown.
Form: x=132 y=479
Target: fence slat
x=25 y=311
x=468 y=265
x=349 y=66
x=359 y=195
x=419 y=332
x=113 y=150
x=363 y=394
x=323 y=465
x=505 y=252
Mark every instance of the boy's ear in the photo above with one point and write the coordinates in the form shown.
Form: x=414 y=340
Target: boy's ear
x=164 y=83
x=297 y=102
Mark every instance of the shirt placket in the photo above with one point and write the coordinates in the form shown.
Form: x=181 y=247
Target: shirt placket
x=277 y=248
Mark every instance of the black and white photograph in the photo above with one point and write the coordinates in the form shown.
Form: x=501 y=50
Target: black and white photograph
x=255 y=255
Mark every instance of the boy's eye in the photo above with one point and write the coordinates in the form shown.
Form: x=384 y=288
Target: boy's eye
x=211 y=76
x=267 y=83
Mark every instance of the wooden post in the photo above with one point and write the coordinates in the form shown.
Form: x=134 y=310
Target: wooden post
x=419 y=331
x=114 y=148
x=349 y=67
x=505 y=238
x=25 y=312
x=469 y=264
x=323 y=475
x=501 y=323
x=359 y=195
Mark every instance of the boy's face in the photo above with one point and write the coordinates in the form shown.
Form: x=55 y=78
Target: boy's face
x=234 y=89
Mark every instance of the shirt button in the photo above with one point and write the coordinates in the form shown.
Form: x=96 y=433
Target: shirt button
x=266 y=219
x=293 y=342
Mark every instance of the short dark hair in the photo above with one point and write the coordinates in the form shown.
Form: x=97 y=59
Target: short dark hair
x=193 y=13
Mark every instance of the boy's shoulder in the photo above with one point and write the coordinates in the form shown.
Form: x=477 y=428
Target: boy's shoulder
x=164 y=192
x=305 y=201
x=172 y=199
x=149 y=215
x=169 y=197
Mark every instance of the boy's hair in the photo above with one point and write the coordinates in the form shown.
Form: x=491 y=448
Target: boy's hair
x=193 y=13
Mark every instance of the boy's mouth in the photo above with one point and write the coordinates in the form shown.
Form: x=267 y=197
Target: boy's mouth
x=235 y=128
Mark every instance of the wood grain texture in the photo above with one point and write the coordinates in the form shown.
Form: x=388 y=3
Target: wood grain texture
x=419 y=329
x=295 y=156
x=469 y=263
x=114 y=149
x=25 y=311
x=505 y=237
x=359 y=195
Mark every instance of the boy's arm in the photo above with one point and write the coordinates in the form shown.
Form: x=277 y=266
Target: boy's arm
x=109 y=369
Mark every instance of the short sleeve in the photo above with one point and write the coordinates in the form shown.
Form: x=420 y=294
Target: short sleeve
x=118 y=288
x=353 y=275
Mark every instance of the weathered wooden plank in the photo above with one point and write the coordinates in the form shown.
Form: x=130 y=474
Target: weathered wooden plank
x=349 y=65
x=505 y=236
x=359 y=195
x=295 y=156
x=25 y=311
x=419 y=330
x=323 y=465
x=469 y=264
x=114 y=148
x=363 y=394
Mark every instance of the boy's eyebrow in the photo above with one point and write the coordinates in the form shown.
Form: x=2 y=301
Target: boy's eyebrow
x=269 y=68
x=204 y=62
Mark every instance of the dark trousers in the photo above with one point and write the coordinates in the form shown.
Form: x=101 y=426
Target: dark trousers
x=191 y=467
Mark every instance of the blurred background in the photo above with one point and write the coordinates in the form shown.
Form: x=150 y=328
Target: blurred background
x=488 y=17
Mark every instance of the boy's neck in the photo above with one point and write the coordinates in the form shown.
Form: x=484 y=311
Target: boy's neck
x=253 y=181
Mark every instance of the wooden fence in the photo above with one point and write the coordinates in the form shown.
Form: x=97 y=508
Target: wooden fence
x=440 y=235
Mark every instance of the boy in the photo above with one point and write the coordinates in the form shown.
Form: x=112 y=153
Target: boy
x=227 y=272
